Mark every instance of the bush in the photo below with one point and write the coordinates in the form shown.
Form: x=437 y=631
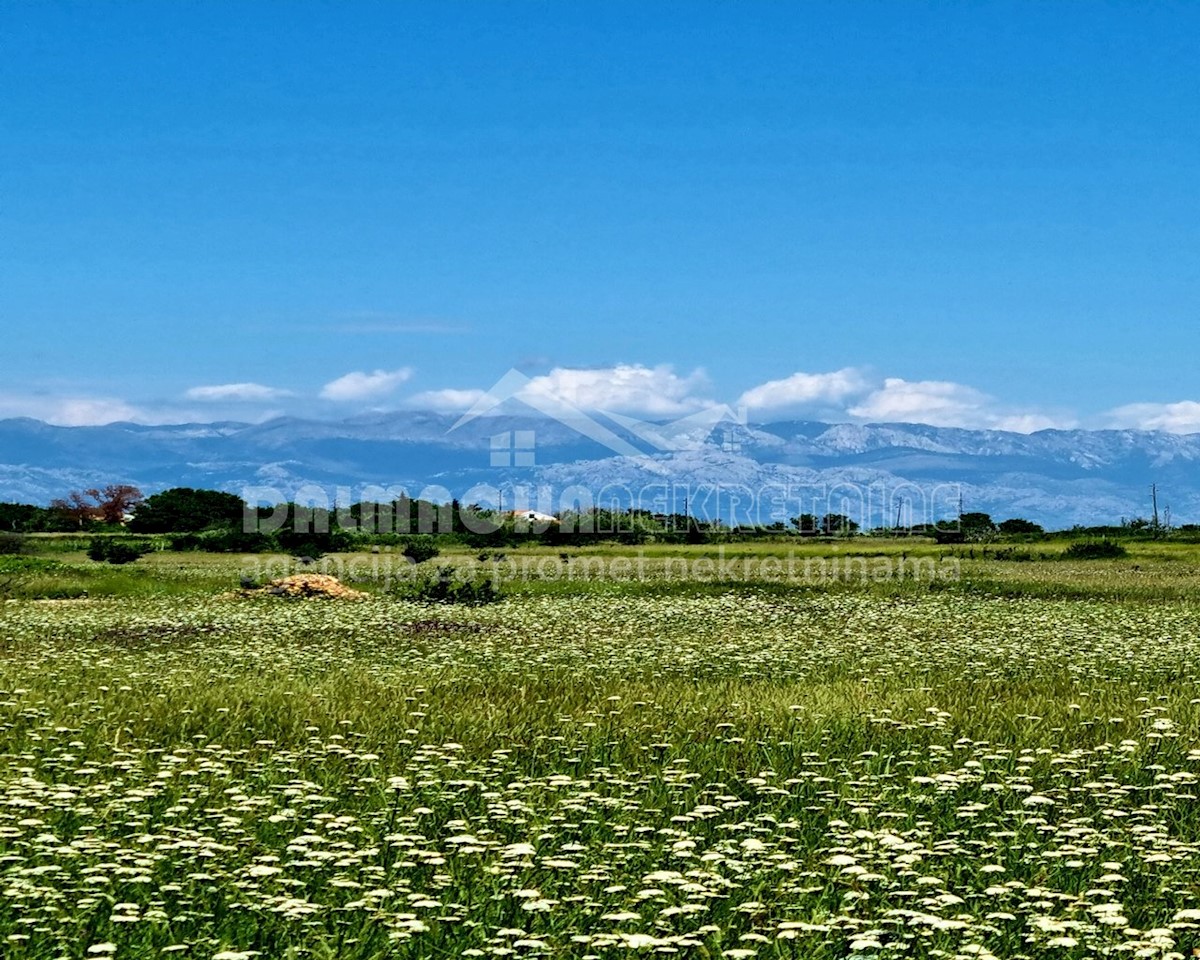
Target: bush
x=1011 y=554
x=1095 y=550
x=11 y=543
x=420 y=548
x=186 y=541
x=445 y=587
x=109 y=550
x=232 y=539
x=14 y=564
x=314 y=545
x=1019 y=526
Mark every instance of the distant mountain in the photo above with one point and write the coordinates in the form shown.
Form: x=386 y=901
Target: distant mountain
x=755 y=472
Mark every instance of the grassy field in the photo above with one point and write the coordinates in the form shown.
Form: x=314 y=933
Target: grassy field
x=869 y=749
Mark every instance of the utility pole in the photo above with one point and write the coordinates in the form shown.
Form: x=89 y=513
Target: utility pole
x=899 y=507
x=1154 y=501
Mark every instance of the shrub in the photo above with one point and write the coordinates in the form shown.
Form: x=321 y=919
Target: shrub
x=125 y=552
x=1095 y=550
x=445 y=587
x=313 y=544
x=1020 y=526
x=14 y=564
x=232 y=539
x=185 y=541
x=228 y=538
x=109 y=550
x=1012 y=554
x=420 y=548
x=11 y=543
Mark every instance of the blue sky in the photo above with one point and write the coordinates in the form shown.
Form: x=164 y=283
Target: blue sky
x=976 y=214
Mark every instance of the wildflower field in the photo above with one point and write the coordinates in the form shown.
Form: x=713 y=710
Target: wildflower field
x=1002 y=763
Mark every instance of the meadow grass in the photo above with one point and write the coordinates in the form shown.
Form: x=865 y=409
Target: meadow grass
x=1000 y=763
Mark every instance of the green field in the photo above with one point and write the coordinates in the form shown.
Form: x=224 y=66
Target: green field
x=868 y=749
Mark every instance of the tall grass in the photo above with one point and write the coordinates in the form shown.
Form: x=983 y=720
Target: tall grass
x=1003 y=764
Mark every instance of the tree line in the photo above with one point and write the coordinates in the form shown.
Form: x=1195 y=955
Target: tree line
x=216 y=521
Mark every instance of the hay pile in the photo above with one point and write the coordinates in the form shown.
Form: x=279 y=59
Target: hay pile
x=308 y=585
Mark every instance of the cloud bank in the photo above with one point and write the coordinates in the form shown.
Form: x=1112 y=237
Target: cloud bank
x=1180 y=417
x=237 y=392
x=805 y=390
x=848 y=394
x=624 y=388
x=943 y=403
x=365 y=386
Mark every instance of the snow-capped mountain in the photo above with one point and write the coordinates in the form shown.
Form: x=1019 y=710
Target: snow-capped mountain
x=756 y=472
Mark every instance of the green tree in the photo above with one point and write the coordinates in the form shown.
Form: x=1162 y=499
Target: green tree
x=976 y=523
x=1017 y=525
x=184 y=510
x=833 y=524
x=806 y=524
x=26 y=518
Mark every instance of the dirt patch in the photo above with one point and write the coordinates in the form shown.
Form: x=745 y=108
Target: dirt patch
x=304 y=585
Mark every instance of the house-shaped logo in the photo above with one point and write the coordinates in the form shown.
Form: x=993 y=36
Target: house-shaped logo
x=517 y=448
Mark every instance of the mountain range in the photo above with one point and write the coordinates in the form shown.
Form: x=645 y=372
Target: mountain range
x=740 y=472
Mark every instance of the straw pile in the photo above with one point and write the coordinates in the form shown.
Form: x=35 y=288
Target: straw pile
x=309 y=585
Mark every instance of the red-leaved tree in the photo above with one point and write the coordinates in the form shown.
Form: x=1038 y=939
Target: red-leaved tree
x=109 y=505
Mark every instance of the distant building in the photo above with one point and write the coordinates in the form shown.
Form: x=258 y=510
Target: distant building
x=530 y=517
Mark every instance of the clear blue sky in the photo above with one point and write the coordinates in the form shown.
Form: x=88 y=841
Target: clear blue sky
x=1002 y=198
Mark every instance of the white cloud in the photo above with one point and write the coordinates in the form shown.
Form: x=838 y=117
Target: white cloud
x=942 y=403
x=365 y=386
x=86 y=411
x=445 y=401
x=805 y=389
x=74 y=411
x=660 y=392
x=1032 y=422
x=78 y=411
x=625 y=388
x=1180 y=417
x=245 y=392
